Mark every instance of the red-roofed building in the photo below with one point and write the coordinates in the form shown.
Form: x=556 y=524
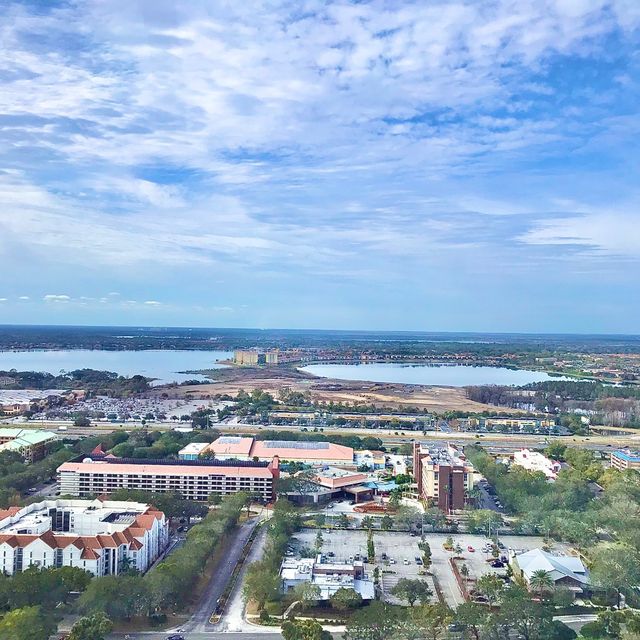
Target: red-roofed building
x=247 y=448
x=193 y=480
x=101 y=536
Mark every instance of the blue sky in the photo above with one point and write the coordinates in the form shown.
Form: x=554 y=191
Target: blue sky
x=371 y=165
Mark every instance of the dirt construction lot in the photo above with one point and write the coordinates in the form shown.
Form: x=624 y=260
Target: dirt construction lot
x=402 y=550
x=273 y=379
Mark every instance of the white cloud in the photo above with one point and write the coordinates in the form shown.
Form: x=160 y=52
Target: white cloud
x=55 y=298
x=611 y=233
x=24 y=298
x=152 y=303
x=263 y=141
x=4 y=299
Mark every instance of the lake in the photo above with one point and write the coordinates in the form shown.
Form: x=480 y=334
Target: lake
x=449 y=375
x=161 y=365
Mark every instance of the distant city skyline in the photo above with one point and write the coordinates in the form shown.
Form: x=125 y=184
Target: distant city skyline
x=414 y=166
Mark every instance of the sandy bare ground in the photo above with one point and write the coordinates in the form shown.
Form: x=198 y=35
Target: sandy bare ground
x=230 y=381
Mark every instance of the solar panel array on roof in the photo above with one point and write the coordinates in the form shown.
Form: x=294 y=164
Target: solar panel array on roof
x=294 y=444
x=229 y=439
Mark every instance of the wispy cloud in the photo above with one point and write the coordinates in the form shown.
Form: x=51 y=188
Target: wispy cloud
x=56 y=299
x=353 y=142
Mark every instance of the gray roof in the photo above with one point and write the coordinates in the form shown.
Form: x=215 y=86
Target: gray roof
x=557 y=567
x=294 y=444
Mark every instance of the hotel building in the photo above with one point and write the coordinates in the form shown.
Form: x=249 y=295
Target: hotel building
x=29 y=443
x=443 y=476
x=191 y=479
x=102 y=537
x=627 y=459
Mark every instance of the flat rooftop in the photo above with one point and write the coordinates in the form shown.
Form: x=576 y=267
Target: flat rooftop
x=629 y=456
x=91 y=516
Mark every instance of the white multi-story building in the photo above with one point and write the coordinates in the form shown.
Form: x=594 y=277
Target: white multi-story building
x=102 y=537
x=191 y=479
x=535 y=461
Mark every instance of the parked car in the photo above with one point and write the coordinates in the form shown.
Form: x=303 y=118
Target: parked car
x=497 y=564
x=330 y=554
x=405 y=561
x=176 y=636
x=470 y=549
x=419 y=561
x=392 y=561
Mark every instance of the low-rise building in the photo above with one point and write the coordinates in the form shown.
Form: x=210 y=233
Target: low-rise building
x=191 y=479
x=398 y=463
x=370 y=459
x=328 y=577
x=625 y=459
x=536 y=461
x=247 y=448
x=334 y=478
x=192 y=451
x=31 y=444
x=443 y=476
x=565 y=571
x=102 y=537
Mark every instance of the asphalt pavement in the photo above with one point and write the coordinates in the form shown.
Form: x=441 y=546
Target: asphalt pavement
x=221 y=575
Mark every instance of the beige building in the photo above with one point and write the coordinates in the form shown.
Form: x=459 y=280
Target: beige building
x=192 y=480
x=31 y=444
x=245 y=357
x=255 y=357
x=443 y=476
x=627 y=459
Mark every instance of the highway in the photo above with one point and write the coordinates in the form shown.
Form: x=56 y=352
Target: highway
x=496 y=443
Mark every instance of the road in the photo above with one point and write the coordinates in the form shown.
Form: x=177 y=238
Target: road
x=199 y=621
x=196 y=635
x=233 y=618
x=494 y=441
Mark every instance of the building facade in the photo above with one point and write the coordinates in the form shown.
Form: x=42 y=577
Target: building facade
x=627 y=459
x=101 y=537
x=31 y=444
x=192 y=451
x=245 y=357
x=443 y=476
x=192 y=480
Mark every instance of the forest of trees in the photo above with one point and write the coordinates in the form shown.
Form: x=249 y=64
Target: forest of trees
x=606 y=529
x=605 y=404
x=99 y=382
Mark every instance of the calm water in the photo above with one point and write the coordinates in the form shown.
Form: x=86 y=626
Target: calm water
x=444 y=375
x=162 y=365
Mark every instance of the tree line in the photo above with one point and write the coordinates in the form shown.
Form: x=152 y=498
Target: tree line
x=606 y=529
x=164 y=588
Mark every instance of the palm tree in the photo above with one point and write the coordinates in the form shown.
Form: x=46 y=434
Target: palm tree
x=541 y=581
x=473 y=495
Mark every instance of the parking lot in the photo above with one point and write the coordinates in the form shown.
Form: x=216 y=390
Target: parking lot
x=401 y=550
